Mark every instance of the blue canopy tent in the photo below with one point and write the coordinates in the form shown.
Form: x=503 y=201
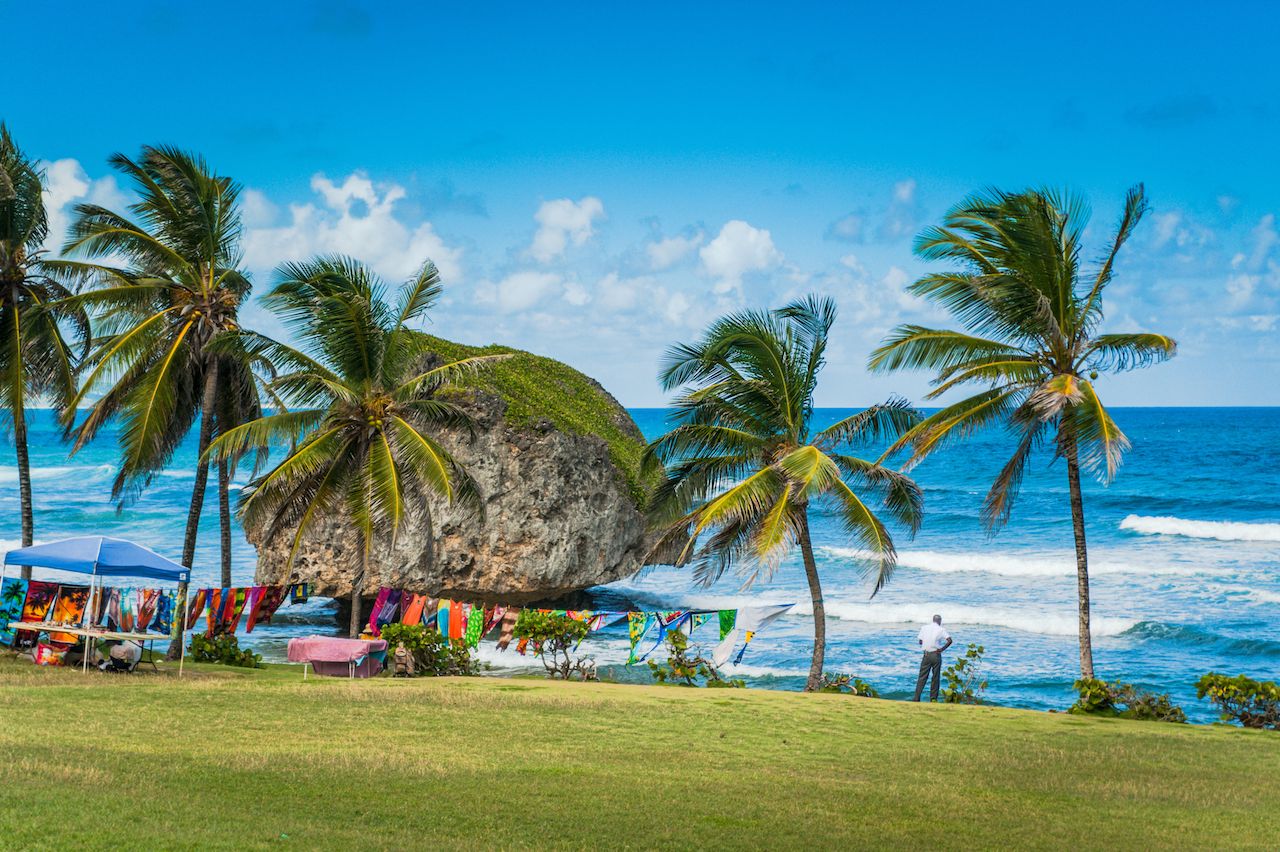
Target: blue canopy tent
x=100 y=556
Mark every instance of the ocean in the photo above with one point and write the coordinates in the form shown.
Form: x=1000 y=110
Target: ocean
x=1184 y=549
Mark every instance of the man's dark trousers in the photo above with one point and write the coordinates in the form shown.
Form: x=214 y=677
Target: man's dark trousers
x=930 y=663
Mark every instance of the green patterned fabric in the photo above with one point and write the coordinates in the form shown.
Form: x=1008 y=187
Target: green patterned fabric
x=637 y=624
x=475 y=626
x=728 y=618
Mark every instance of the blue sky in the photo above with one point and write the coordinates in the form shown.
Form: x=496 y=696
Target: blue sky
x=597 y=181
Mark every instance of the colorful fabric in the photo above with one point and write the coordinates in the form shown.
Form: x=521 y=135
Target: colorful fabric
x=728 y=617
x=411 y=608
x=196 y=607
x=475 y=626
x=36 y=607
x=214 y=619
x=125 y=612
x=101 y=602
x=442 y=617
x=232 y=607
x=749 y=622
x=698 y=619
x=507 y=630
x=69 y=610
x=638 y=624
x=298 y=593
x=252 y=604
x=492 y=618
x=457 y=621
x=386 y=614
x=272 y=599
x=601 y=620
x=163 y=621
x=376 y=611
x=13 y=594
x=147 y=601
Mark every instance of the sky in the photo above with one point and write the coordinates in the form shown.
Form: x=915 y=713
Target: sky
x=596 y=182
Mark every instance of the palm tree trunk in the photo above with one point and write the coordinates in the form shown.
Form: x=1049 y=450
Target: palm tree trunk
x=357 y=586
x=819 y=609
x=224 y=518
x=1082 y=557
x=197 y=498
x=24 y=475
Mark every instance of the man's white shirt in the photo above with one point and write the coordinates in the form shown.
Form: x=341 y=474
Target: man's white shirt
x=933 y=637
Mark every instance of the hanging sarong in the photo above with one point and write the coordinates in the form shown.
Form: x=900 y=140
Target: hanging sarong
x=163 y=621
x=101 y=605
x=69 y=610
x=272 y=598
x=13 y=594
x=252 y=605
x=638 y=624
x=232 y=608
x=381 y=598
x=298 y=593
x=442 y=617
x=411 y=608
x=386 y=614
x=728 y=617
x=214 y=620
x=147 y=600
x=196 y=607
x=601 y=620
x=475 y=626
x=749 y=622
x=36 y=607
x=508 y=627
x=492 y=618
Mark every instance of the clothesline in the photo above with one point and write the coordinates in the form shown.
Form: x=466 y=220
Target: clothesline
x=464 y=623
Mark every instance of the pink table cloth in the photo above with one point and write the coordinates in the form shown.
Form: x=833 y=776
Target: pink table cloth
x=329 y=655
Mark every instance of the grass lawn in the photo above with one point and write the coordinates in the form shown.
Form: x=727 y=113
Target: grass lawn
x=233 y=759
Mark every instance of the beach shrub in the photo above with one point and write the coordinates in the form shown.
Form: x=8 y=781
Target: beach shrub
x=224 y=649
x=1248 y=702
x=848 y=685
x=554 y=638
x=964 y=681
x=686 y=668
x=1125 y=701
x=433 y=655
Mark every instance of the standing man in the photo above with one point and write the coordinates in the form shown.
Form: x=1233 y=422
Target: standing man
x=933 y=640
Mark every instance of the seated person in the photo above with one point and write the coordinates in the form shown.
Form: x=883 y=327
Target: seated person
x=123 y=657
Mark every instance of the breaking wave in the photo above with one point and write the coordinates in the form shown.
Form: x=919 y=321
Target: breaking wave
x=1013 y=565
x=1220 y=530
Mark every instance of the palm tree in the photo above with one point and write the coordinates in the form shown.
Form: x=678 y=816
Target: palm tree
x=743 y=466
x=34 y=356
x=1031 y=317
x=365 y=397
x=164 y=284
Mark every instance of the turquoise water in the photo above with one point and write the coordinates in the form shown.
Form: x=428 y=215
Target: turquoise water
x=1185 y=549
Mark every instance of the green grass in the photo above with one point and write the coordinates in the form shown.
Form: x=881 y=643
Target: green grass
x=246 y=759
x=536 y=388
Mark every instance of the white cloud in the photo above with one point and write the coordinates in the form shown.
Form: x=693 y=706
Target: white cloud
x=902 y=217
x=561 y=222
x=666 y=253
x=737 y=250
x=847 y=228
x=357 y=218
x=67 y=184
x=521 y=290
x=256 y=209
x=576 y=294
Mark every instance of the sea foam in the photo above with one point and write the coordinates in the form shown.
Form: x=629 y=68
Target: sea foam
x=1015 y=564
x=1220 y=530
x=1048 y=623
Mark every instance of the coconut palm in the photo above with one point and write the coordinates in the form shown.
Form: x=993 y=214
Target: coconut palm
x=1030 y=316
x=160 y=285
x=35 y=359
x=744 y=466
x=365 y=401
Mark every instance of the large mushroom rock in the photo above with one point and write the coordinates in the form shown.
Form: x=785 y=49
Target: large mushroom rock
x=557 y=461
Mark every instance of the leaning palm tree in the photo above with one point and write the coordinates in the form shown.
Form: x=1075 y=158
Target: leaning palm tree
x=1031 y=339
x=35 y=359
x=161 y=286
x=744 y=466
x=364 y=395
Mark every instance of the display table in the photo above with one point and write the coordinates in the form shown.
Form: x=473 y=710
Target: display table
x=92 y=633
x=332 y=656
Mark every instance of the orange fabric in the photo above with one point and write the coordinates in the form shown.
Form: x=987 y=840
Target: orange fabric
x=412 y=609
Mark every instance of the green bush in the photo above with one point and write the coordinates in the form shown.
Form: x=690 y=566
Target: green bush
x=555 y=638
x=433 y=655
x=965 y=683
x=848 y=685
x=1249 y=702
x=224 y=649
x=1125 y=701
x=686 y=670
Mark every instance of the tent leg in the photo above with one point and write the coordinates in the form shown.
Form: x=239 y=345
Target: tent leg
x=88 y=613
x=182 y=634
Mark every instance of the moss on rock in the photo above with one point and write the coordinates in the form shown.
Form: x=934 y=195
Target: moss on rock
x=535 y=388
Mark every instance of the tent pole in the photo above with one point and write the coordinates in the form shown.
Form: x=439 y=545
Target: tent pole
x=84 y=622
x=182 y=632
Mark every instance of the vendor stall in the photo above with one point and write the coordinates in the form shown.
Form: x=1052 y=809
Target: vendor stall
x=98 y=557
